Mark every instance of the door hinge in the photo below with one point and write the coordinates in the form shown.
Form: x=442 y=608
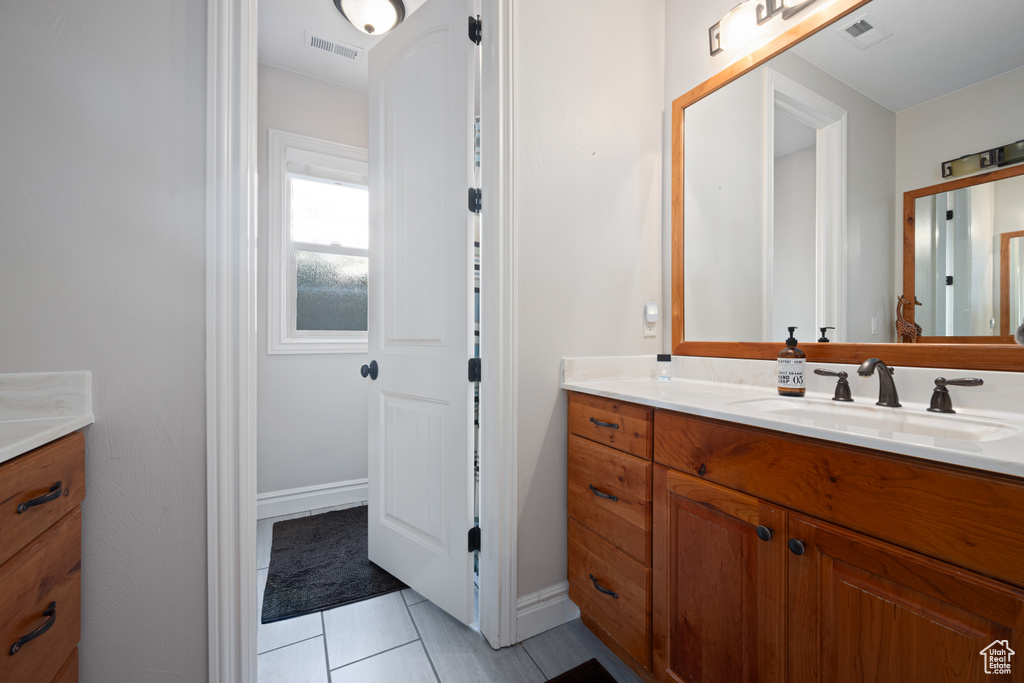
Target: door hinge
x=475 y=199
x=949 y=214
x=949 y=279
x=474 y=539
x=474 y=370
x=475 y=29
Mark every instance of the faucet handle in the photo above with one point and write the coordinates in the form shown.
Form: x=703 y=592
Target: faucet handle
x=941 y=401
x=842 y=386
x=961 y=382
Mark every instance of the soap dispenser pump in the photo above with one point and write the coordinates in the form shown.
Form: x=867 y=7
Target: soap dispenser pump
x=823 y=339
x=791 y=364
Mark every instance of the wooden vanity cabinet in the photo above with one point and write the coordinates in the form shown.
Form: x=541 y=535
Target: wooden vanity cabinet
x=750 y=587
x=609 y=498
x=40 y=562
x=719 y=591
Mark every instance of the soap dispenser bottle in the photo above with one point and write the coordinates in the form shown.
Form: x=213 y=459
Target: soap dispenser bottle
x=791 y=368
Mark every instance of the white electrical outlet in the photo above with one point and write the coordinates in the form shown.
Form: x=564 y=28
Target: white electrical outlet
x=874 y=326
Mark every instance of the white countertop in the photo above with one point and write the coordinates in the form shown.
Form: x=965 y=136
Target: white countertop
x=996 y=443
x=38 y=407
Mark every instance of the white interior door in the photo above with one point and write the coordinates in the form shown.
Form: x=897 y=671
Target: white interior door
x=420 y=289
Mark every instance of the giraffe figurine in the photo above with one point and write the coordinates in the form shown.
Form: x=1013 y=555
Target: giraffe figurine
x=906 y=332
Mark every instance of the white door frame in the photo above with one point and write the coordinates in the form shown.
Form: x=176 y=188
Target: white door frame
x=231 y=339
x=829 y=120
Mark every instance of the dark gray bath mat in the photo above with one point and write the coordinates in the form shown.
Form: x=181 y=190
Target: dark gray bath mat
x=589 y=671
x=320 y=562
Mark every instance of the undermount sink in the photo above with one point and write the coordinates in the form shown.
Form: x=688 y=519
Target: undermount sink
x=858 y=417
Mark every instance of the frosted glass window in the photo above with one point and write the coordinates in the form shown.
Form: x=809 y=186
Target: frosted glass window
x=330 y=291
x=329 y=228
x=319 y=245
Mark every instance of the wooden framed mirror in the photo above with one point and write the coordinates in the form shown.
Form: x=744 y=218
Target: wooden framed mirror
x=994 y=355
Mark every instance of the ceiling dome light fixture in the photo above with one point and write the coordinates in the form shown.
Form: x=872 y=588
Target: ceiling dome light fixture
x=372 y=17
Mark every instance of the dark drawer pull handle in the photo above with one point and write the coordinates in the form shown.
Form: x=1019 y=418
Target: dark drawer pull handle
x=602 y=589
x=603 y=495
x=796 y=546
x=604 y=424
x=51 y=614
x=54 y=494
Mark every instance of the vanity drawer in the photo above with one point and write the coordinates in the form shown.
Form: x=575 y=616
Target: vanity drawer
x=47 y=570
x=31 y=477
x=69 y=672
x=967 y=518
x=597 y=472
x=626 y=618
x=623 y=426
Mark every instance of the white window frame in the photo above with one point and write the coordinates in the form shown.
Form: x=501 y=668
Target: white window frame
x=291 y=154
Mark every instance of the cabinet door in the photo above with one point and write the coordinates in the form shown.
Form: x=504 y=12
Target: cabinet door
x=864 y=610
x=719 y=589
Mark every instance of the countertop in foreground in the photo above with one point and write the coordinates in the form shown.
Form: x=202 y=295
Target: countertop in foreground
x=1002 y=452
x=38 y=407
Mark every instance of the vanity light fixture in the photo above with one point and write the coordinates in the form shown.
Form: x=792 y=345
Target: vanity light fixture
x=1007 y=155
x=372 y=17
x=738 y=27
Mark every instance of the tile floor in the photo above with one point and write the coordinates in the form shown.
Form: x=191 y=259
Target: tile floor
x=402 y=638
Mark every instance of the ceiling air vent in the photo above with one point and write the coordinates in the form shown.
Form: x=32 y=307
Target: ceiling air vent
x=352 y=53
x=864 y=31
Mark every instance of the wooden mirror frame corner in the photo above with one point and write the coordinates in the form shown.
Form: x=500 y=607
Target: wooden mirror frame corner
x=968 y=356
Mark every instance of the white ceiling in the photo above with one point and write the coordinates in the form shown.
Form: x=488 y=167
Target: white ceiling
x=283 y=25
x=937 y=47
x=791 y=135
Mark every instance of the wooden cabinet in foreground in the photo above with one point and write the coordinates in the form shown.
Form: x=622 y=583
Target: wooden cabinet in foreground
x=779 y=558
x=610 y=523
x=40 y=562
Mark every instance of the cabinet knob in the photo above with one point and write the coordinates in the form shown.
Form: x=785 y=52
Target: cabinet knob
x=796 y=546
x=370 y=370
x=764 y=533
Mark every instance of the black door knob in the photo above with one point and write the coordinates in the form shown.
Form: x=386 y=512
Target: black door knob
x=796 y=546
x=370 y=370
x=764 y=533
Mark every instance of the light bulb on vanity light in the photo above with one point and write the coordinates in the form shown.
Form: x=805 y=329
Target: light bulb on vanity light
x=739 y=27
x=372 y=17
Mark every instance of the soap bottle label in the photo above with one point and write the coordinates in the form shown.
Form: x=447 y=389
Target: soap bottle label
x=791 y=373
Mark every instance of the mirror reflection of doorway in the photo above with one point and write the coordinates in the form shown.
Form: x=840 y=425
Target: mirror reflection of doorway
x=1011 y=281
x=793 y=237
x=805 y=211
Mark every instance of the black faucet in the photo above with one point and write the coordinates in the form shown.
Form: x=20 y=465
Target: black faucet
x=887 y=395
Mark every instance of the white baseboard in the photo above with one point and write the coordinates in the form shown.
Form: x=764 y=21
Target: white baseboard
x=290 y=501
x=544 y=610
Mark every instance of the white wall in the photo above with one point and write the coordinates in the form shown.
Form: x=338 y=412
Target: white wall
x=724 y=154
x=724 y=256
x=949 y=127
x=312 y=408
x=793 y=274
x=588 y=101
x=962 y=122
x=102 y=268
